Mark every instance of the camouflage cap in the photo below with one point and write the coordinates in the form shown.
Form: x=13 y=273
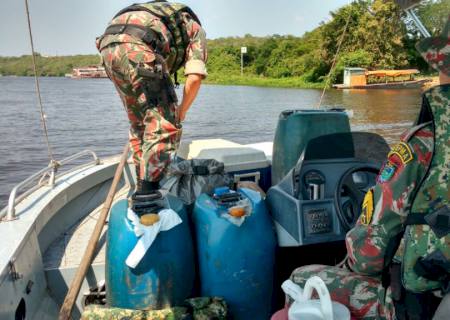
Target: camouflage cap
x=436 y=50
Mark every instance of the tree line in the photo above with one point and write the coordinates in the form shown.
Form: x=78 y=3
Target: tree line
x=376 y=37
x=373 y=35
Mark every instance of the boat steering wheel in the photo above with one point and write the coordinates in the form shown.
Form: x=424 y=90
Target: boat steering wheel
x=353 y=185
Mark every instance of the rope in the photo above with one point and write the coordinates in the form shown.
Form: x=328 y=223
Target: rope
x=38 y=90
x=333 y=64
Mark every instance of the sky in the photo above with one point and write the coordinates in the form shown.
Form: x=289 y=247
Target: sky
x=67 y=27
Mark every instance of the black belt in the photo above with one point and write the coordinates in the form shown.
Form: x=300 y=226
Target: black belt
x=439 y=221
x=147 y=35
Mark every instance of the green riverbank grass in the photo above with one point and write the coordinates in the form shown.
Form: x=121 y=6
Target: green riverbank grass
x=252 y=80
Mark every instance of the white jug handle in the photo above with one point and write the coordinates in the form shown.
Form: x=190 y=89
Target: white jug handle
x=292 y=290
x=315 y=283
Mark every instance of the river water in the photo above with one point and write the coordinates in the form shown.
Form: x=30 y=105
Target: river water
x=87 y=114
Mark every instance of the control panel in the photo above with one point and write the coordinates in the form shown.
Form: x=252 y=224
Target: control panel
x=318 y=220
x=314 y=182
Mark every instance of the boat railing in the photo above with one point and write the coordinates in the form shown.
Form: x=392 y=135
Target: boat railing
x=47 y=176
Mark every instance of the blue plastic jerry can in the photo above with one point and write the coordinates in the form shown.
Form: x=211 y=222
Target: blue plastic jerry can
x=165 y=275
x=236 y=251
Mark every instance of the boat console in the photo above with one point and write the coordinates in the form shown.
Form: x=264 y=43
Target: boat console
x=319 y=200
x=296 y=128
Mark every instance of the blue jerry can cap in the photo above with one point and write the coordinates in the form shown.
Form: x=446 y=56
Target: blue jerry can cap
x=221 y=191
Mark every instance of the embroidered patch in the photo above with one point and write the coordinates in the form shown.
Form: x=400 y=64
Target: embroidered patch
x=403 y=151
x=367 y=208
x=387 y=173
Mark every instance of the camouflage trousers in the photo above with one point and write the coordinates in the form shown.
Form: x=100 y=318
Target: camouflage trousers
x=364 y=296
x=155 y=131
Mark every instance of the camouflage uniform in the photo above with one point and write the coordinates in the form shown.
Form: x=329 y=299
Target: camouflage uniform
x=94 y=312
x=203 y=308
x=155 y=130
x=413 y=181
x=366 y=243
x=361 y=294
x=435 y=50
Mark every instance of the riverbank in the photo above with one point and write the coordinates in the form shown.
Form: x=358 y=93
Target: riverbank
x=258 y=81
x=59 y=66
x=255 y=81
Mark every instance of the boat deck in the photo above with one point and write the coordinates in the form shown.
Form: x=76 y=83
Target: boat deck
x=68 y=249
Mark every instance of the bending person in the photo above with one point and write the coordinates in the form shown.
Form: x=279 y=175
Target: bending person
x=142 y=46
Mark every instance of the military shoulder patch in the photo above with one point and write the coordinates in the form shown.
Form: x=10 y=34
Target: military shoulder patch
x=387 y=172
x=367 y=208
x=403 y=151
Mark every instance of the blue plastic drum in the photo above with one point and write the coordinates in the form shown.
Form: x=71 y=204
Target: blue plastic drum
x=164 y=277
x=236 y=262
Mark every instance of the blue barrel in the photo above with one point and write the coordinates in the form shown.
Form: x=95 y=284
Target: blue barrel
x=236 y=263
x=164 y=277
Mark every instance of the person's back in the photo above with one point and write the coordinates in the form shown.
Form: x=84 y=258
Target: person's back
x=174 y=28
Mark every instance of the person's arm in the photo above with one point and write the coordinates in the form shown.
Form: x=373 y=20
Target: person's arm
x=443 y=78
x=190 y=91
x=195 y=66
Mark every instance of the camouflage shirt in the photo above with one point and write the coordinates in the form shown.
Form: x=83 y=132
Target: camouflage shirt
x=388 y=204
x=196 y=52
x=435 y=50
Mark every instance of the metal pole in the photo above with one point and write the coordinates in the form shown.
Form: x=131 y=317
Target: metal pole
x=242 y=63
x=38 y=89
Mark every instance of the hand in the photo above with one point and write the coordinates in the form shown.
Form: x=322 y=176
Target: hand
x=181 y=114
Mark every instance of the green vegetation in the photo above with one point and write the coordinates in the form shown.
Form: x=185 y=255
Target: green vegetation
x=48 y=66
x=375 y=38
x=252 y=80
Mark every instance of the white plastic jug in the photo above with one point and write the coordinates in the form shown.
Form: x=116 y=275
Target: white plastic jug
x=304 y=308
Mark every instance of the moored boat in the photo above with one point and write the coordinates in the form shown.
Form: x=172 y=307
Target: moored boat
x=360 y=78
x=89 y=72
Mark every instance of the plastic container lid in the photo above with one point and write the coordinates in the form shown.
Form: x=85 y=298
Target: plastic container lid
x=305 y=308
x=221 y=190
x=234 y=156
